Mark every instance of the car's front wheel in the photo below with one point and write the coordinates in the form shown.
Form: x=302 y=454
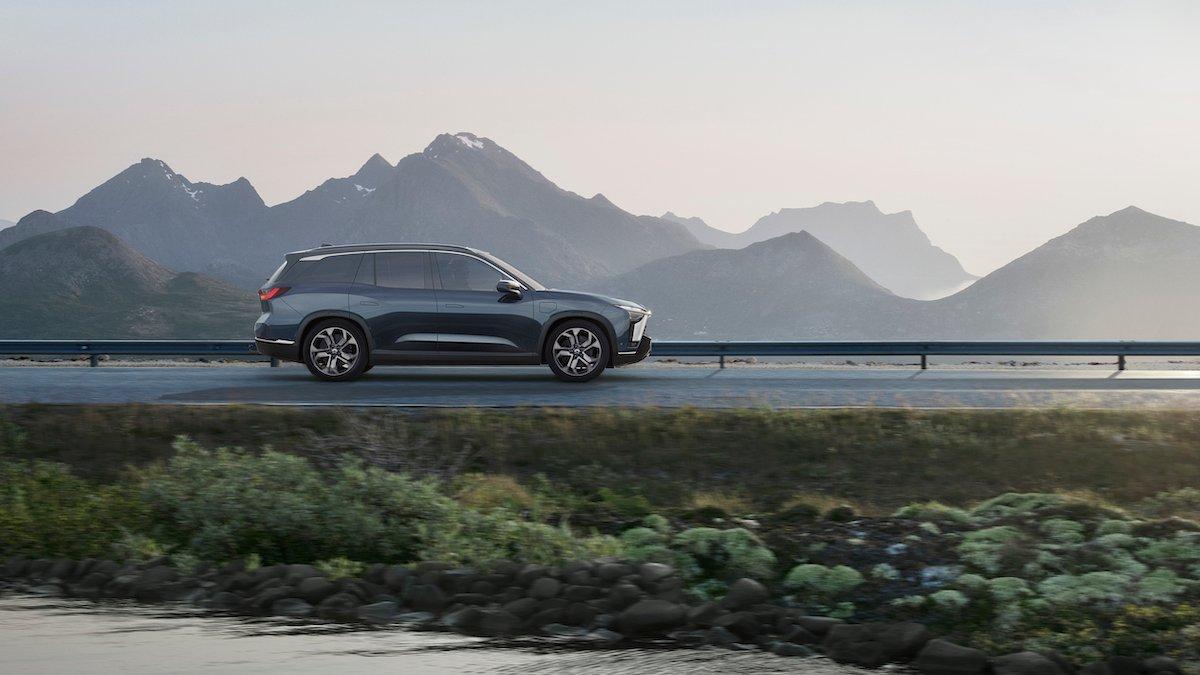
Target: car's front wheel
x=577 y=351
x=335 y=351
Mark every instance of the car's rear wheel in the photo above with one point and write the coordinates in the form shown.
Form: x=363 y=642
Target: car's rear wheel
x=335 y=351
x=578 y=351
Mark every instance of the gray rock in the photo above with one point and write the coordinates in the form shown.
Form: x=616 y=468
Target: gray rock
x=378 y=612
x=1024 y=663
x=801 y=636
x=465 y=620
x=1161 y=664
x=395 y=576
x=689 y=638
x=529 y=574
x=545 y=588
x=414 y=617
x=522 y=608
x=223 y=601
x=743 y=624
x=817 y=625
x=294 y=607
x=745 y=593
x=874 y=644
x=651 y=617
x=561 y=630
x=651 y=572
x=315 y=589
x=582 y=593
x=470 y=599
x=610 y=572
x=705 y=614
x=941 y=657
x=791 y=649
x=425 y=598
x=624 y=594
x=605 y=636
x=296 y=573
x=339 y=607
x=497 y=622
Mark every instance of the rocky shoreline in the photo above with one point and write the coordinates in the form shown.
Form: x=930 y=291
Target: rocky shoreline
x=606 y=603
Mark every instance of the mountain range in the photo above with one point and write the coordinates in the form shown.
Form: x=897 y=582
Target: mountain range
x=889 y=247
x=162 y=243
x=83 y=282
x=6 y=223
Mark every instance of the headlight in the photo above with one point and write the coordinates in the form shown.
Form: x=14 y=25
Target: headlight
x=635 y=313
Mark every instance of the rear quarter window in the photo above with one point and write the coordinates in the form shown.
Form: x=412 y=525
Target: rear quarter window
x=337 y=269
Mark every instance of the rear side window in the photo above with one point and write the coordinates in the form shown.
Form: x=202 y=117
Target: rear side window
x=337 y=269
x=400 y=270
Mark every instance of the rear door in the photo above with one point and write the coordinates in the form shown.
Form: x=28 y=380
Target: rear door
x=473 y=317
x=394 y=294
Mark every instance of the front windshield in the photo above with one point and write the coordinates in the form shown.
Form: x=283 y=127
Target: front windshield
x=516 y=273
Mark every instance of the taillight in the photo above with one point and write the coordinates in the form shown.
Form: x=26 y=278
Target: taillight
x=272 y=293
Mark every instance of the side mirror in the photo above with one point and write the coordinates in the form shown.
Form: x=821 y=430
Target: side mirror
x=509 y=287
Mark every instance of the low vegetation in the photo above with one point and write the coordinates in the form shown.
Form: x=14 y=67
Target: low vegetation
x=1066 y=531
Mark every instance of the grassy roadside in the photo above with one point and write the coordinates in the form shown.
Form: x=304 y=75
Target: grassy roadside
x=1050 y=530
x=877 y=460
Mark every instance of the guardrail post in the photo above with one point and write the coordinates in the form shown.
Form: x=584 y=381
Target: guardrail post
x=722 y=360
x=1120 y=362
x=274 y=362
x=94 y=360
x=924 y=362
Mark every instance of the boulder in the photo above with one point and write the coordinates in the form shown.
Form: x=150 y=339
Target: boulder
x=873 y=644
x=941 y=657
x=465 y=620
x=497 y=622
x=791 y=649
x=378 y=612
x=611 y=572
x=339 y=607
x=395 y=576
x=425 y=598
x=651 y=617
x=582 y=593
x=1161 y=664
x=545 y=588
x=561 y=630
x=605 y=636
x=800 y=635
x=743 y=624
x=1024 y=663
x=315 y=589
x=624 y=594
x=704 y=614
x=652 y=572
x=745 y=593
x=817 y=625
x=470 y=599
x=294 y=607
x=521 y=608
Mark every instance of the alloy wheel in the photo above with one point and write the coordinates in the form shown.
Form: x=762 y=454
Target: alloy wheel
x=333 y=351
x=577 y=351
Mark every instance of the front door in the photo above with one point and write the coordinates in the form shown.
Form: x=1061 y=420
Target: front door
x=475 y=318
x=394 y=294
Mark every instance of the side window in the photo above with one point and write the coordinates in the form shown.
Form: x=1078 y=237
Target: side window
x=366 y=271
x=400 y=270
x=337 y=269
x=464 y=273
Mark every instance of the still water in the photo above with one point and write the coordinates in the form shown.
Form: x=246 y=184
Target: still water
x=56 y=635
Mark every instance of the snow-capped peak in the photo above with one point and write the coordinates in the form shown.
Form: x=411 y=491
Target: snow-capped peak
x=470 y=142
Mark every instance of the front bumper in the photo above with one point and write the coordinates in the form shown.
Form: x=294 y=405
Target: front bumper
x=285 y=350
x=627 y=358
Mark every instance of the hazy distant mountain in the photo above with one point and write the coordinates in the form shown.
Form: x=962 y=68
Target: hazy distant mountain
x=706 y=233
x=889 y=247
x=791 y=287
x=6 y=223
x=1127 y=275
x=462 y=189
x=83 y=282
x=160 y=213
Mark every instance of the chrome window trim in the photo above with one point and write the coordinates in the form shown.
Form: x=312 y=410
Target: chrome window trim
x=503 y=273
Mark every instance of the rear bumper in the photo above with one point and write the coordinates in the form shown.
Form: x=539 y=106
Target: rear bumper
x=279 y=349
x=643 y=350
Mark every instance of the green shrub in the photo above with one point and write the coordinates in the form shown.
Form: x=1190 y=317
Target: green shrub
x=339 y=568
x=933 y=511
x=821 y=582
x=702 y=552
x=46 y=511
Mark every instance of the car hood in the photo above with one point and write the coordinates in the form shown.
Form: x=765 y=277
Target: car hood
x=558 y=293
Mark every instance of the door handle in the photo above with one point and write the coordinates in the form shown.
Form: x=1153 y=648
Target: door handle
x=372 y=303
x=452 y=305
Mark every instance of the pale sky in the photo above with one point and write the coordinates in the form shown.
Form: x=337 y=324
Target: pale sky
x=999 y=125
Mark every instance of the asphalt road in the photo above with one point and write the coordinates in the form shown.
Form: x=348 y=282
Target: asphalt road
x=643 y=385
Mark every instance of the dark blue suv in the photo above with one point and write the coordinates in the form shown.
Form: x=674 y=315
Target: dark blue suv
x=341 y=310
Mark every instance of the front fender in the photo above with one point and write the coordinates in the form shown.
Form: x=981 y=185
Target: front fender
x=566 y=315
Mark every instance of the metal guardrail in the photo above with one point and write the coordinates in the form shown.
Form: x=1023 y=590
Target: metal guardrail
x=923 y=349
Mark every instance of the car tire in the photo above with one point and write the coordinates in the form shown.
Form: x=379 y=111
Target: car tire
x=577 y=351
x=335 y=351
